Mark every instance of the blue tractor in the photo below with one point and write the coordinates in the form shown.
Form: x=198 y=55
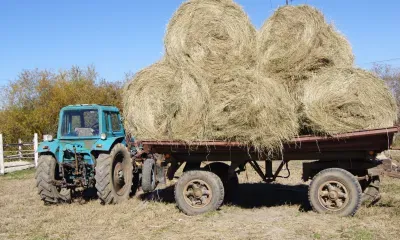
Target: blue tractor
x=89 y=153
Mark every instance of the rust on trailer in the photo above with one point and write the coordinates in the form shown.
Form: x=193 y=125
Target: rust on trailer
x=300 y=139
x=375 y=140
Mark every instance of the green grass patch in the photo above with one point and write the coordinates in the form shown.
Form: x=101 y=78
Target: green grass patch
x=358 y=234
x=23 y=174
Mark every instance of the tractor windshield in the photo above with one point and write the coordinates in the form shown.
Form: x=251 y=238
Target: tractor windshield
x=80 y=123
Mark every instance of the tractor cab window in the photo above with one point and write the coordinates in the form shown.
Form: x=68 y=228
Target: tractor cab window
x=113 y=123
x=80 y=123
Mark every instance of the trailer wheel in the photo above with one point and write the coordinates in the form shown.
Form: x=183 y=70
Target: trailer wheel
x=197 y=192
x=230 y=184
x=114 y=175
x=335 y=191
x=149 y=175
x=46 y=172
x=371 y=193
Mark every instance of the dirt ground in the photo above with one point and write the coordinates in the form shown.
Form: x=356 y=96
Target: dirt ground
x=264 y=211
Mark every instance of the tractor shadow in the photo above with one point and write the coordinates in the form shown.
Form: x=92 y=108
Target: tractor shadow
x=249 y=195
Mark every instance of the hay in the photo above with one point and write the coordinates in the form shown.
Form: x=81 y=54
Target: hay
x=296 y=40
x=341 y=100
x=253 y=110
x=209 y=38
x=162 y=103
x=149 y=102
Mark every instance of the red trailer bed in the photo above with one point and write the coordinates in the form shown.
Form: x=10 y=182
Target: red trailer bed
x=302 y=147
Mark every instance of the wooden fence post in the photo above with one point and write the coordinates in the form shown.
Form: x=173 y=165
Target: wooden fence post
x=35 y=148
x=1 y=155
x=20 y=149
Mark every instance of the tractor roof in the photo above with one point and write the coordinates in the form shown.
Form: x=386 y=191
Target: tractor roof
x=91 y=106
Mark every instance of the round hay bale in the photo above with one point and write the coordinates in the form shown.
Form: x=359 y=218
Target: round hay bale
x=149 y=102
x=193 y=99
x=339 y=100
x=253 y=110
x=162 y=103
x=296 y=39
x=208 y=38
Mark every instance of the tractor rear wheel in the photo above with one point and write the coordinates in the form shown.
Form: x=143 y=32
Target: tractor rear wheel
x=114 y=175
x=47 y=172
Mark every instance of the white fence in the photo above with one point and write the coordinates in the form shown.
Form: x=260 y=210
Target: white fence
x=14 y=160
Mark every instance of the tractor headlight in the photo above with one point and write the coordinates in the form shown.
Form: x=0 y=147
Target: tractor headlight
x=47 y=138
x=103 y=136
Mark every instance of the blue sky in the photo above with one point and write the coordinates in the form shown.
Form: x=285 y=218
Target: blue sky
x=125 y=36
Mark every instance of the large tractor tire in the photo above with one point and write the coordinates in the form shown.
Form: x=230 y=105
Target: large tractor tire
x=198 y=192
x=335 y=191
x=149 y=175
x=230 y=184
x=46 y=172
x=114 y=175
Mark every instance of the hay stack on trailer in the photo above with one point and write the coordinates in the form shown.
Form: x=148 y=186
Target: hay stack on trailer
x=221 y=80
x=315 y=62
x=212 y=89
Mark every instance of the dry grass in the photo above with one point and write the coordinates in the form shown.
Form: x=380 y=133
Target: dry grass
x=209 y=38
x=297 y=39
x=338 y=100
x=274 y=211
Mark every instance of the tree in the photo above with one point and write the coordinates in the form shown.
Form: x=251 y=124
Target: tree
x=32 y=102
x=391 y=76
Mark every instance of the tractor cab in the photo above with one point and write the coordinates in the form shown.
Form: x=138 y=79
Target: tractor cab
x=90 y=144
x=90 y=122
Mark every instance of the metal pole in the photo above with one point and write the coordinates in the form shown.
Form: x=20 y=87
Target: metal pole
x=20 y=149
x=35 y=148
x=1 y=155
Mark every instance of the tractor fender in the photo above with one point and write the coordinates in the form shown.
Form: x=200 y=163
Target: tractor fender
x=46 y=148
x=107 y=144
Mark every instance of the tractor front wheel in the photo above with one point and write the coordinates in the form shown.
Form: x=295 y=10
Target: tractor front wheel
x=114 y=175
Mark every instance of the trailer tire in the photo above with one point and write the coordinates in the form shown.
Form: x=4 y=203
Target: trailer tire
x=149 y=175
x=114 y=175
x=46 y=172
x=198 y=192
x=371 y=194
x=230 y=184
x=335 y=191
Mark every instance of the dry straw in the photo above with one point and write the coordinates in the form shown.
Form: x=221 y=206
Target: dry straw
x=251 y=109
x=209 y=38
x=162 y=103
x=296 y=39
x=338 y=100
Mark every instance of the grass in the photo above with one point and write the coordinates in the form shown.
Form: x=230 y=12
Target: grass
x=264 y=211
x=23 y=174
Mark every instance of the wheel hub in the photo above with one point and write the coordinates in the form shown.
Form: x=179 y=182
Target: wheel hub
x=333 y=195
x=197 y=193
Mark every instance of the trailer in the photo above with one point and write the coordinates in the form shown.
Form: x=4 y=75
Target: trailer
x=345 y=173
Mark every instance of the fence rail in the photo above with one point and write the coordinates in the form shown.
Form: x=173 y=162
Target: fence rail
x=19 y=154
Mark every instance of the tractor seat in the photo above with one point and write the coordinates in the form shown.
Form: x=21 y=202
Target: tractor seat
x=84 y=132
